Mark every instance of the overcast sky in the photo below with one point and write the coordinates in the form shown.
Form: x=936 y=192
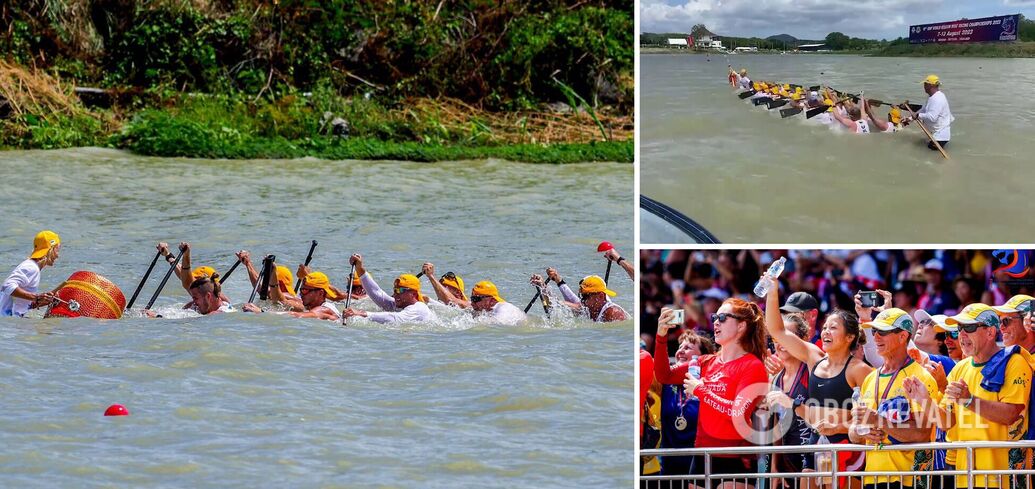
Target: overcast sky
x=814 y=19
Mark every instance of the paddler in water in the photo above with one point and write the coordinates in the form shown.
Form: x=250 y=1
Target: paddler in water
x=853 y=120
x=206 y=294
x=593 y=299
x=186 y=279
x=281 y=291
x=892 y=124
x=405 y=305
x=19 y=292
x=449 y=288
x=486 y=301
x=316 y=294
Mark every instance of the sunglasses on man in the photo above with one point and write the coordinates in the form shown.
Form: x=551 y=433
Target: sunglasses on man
x=973 y=327
x=402 y=290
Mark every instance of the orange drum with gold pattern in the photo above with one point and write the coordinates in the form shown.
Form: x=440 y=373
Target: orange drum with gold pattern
x=86 y=294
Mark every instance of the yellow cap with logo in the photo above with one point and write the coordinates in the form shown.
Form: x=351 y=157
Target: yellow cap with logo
x=932 y=80
x=488 y=289
x=975 y=313
x=1017 y=303
x=594 y=284
x=891 y=319
x=453 y=280
x=285 y=278
x=43 y=242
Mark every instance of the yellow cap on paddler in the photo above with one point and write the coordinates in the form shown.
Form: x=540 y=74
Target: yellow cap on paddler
x=44 y=241
x=356 y=280
x=784 y=93
x=895 y=115
x=455 y=281
x=409 y=281
x=488 y=289
x=202 y=272
x=932 y=80
x=593 y=284
x=319 y=280
x=285 y=278
x=796 y=96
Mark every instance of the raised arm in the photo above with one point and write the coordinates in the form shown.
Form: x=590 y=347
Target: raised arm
x=185 y=276
x=662 y=370
x=797 y=347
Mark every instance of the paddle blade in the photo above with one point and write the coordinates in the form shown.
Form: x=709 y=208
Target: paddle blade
x=915 y=107
x=814 y=112
x=760 y=101
x=785 y=113
x=746 y=94
x=813 y=88
x=777 y=103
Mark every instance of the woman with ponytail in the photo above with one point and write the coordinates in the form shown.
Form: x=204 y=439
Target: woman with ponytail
x=732 y=383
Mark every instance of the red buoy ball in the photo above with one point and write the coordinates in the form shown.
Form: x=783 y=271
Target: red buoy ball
x=605 y=246
x=116 y=410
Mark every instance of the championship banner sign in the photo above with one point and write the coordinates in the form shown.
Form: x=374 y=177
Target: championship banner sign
x=988 y=29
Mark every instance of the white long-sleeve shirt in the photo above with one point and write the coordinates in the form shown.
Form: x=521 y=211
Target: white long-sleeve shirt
x=27 y=277
x=417 y=312
x=507 y=314
x=936 y=116
x=569 y=295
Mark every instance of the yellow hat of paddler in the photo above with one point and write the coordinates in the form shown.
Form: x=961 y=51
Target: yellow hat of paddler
x=756 y=86
x=285 y=278
x=409 y=281
x=593 y=284
x=1017 y=303
x=784 y=93
x=895 y=115
x=43 y=242
x=202 y=272
x=319 y=280
x=932 y=80
x=796 y=96
x=486 y=288
x=356 y=280
x=453 y=280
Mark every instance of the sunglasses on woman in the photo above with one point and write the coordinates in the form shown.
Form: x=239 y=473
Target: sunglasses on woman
x=723 y=316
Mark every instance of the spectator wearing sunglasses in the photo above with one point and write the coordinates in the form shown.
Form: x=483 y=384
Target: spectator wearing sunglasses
x=732 y=384
x=449 y=288
x=486 y=301
x=405 y=305
x=1014 y=318
x=885 y=406
x=987 y=394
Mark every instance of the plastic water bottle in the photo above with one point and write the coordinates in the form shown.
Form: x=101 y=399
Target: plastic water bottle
x=694 y=369
x=856 y=398
x=762 y=287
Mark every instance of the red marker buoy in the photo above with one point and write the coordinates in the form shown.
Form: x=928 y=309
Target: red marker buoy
x=116 y=410
x=604 y=246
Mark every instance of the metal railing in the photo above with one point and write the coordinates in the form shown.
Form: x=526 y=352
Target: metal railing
x=834 y=478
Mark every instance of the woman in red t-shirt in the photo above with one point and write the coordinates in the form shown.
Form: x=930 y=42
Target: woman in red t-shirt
x=732 y=383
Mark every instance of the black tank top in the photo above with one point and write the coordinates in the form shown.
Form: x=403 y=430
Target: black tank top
x=832 y=392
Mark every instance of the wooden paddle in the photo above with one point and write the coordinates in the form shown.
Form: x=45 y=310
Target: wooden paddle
x=538 y=293
x=744 y=95
x=785 y=113
x=146 y=275
x=308 y=259
x=920 y=123
x=772 y=104
x=819 y=110
x=348 y=295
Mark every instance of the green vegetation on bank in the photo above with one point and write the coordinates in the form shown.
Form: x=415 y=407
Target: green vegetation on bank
x=424 y=80
x=978 y=50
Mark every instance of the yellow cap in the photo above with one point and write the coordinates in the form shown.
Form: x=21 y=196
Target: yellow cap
x=1017 y=303
x=895 y=116
x=319 y=280
x=786 y=86
x=202 y=272
x=456 y=282
x=932 y=80
x=784 y=93
x=975 y=313
x=487 y=288
x=796 y=96
x=43 y=242
x=410 y=281
x=890 y=319
x=356 y=280
x=285 y=278
x=593 y=284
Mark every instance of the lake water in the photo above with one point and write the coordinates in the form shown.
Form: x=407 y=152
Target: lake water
x=750 y=177
x=270 y=401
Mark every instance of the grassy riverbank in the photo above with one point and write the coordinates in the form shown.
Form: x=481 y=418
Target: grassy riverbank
x=974 y=50
x=421 y=80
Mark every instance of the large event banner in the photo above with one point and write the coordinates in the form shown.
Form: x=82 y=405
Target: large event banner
x=988 y=29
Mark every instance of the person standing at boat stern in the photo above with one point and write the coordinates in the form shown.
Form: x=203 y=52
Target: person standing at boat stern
x=732 y=384
x=19 y=291
x=935 y=113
